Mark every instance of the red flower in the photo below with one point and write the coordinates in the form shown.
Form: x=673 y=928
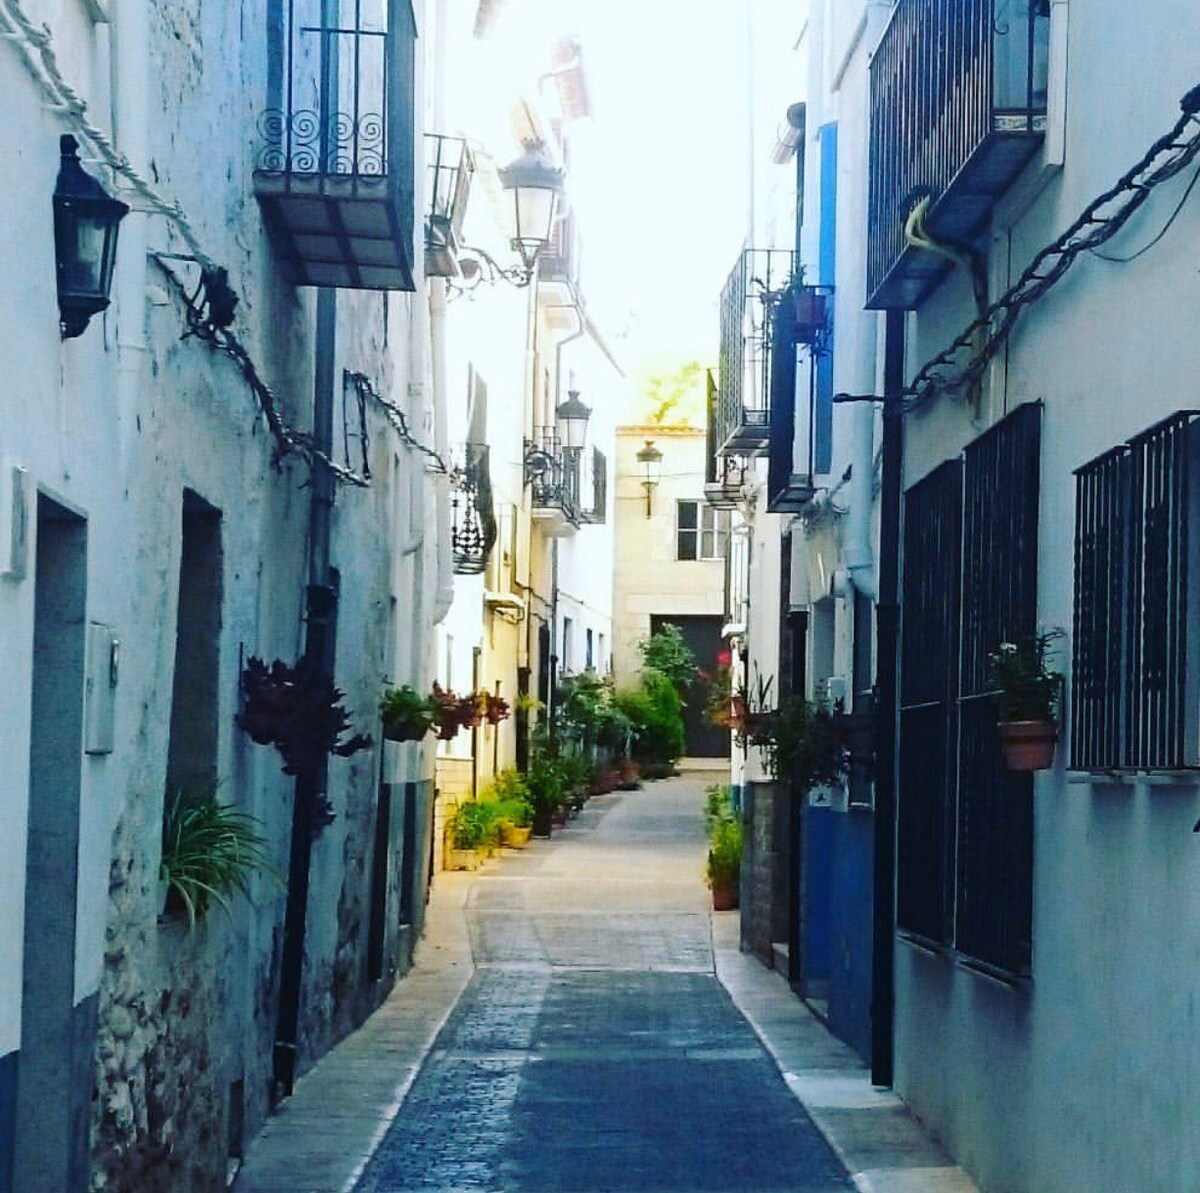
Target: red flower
x=724 y=659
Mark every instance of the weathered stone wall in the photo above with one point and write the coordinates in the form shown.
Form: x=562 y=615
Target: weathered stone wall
x=764 y=884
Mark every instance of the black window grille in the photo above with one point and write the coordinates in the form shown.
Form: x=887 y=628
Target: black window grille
x=965 y=828
x=994 y=904
x=1135 y=563
x=928 y=705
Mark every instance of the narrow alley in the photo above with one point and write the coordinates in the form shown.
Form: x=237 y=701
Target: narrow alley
x=599 y=1042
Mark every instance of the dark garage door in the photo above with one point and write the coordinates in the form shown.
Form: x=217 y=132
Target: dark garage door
x=703 y=635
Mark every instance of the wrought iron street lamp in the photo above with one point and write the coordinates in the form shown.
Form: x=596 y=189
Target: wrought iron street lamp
x=571 y=419
x=650 y=460
x=85 y=241
x=535 y=185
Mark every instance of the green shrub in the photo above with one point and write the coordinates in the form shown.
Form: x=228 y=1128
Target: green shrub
x=725 y=854
x=718 y=806
x=517 y=812
x=662 y=738
x=508 y=785
x=475 y=824
x=666 y=652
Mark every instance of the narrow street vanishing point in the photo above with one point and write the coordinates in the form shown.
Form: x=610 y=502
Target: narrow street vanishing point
x=594 y=1047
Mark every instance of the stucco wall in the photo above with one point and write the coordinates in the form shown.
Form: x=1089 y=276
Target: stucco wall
x=1085 y=1078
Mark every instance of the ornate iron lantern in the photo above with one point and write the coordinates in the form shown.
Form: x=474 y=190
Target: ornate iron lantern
x=86 y=217
x=571 y=419
x=535 y=186
x=650 y=460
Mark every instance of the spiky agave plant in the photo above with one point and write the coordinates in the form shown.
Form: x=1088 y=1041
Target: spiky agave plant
x=210 y=850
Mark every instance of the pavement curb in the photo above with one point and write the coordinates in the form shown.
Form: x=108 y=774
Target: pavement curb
x=880 y=1142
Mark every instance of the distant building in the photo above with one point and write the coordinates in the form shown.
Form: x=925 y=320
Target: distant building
x=671 y=564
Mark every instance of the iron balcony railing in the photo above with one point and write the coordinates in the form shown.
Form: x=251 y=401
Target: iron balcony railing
x=472 y=517
x=335 y=172
x=554 y=474
x=755 y=285
x=798 y=449
x=451 y=169
x=958 y=106
x=559 y=260
x=595 y=510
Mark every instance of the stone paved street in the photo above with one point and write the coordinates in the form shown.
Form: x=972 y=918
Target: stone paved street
x=594 y=1048
x=563 y=1030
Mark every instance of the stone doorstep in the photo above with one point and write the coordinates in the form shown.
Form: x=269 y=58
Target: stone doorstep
x=882 y=1144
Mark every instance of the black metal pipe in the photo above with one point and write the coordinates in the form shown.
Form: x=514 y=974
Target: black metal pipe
x=887 y=622
x=321 y=611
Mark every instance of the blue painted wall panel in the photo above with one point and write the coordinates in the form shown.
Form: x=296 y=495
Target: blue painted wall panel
x=819 y=844
x=850 y=929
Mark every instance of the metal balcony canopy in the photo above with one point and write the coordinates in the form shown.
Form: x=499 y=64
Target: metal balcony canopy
x=958 y=107
x=756 y=284
x=336 y=161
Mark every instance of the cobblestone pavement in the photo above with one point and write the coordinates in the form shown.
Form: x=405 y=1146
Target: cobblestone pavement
x=594 y=1048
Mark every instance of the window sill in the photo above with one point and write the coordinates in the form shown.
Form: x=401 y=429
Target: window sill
x=1013 y=982
x=1127 y=778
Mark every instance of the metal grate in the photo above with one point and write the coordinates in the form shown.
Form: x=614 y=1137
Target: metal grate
x=554 y=479
x=755 y=285
x=958 y=103
x=1134 y=565
x=928 y=706
x=965 y=823
x=472 y=519
x=993 y=907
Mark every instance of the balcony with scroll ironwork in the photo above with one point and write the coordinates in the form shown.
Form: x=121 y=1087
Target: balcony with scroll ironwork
x=450 y=171
x=958 y=108
x=472 y=518
x=756 y=284
x=553 y=473
x=334 y=171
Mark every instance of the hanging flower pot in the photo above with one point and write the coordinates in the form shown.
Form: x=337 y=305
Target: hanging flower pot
x=406 y=715
x=1028 y=745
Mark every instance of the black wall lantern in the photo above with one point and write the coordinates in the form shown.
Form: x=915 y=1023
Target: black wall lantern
x=534 y=185
x=571 y=421
x=85 y=241
x=650 y=461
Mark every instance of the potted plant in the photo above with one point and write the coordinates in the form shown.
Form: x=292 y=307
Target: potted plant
x=515 y=818
x=210 y=850
x=1027 y=695
x=452 y=712
x=468 y=833
x=494 y=707
x=406 y=714
x=724 y=865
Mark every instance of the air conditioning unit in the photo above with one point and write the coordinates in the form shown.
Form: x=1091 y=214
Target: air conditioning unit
x=834 y=691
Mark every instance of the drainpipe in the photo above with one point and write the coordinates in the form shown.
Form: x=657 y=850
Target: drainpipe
x=437 y=397
x=130 y=80
x=857 y=553
x=887 y=621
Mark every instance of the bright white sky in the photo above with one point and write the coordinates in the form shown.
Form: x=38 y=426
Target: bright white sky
x=661 y=189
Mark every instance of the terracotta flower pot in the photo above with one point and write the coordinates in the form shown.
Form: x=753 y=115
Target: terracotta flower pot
x=725 y=898
x=1028 y=745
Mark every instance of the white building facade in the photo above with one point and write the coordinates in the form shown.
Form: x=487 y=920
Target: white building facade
x=182 y=492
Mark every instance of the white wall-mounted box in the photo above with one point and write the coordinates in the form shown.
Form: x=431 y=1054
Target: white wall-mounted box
x=16 y=514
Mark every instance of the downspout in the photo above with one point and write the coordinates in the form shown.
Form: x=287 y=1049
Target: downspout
x=857 y=553
x=887 y=621
x=130 y=81
x=437 y=352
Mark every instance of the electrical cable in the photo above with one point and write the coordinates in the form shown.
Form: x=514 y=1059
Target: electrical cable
x=1187 y=194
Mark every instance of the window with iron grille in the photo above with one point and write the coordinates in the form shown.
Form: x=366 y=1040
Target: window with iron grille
x=1132 y=707
x=965 y=822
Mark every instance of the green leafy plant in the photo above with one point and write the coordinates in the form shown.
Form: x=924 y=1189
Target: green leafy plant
x=724 y=866
x=718 y=806
x=475 y=824
x=666 y=652
x=406 y=714
x=210 y=850
x=1026 y=688
x=804 y=742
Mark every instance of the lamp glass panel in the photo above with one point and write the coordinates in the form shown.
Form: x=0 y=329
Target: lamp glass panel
x=82 y=254
x=535 y=213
